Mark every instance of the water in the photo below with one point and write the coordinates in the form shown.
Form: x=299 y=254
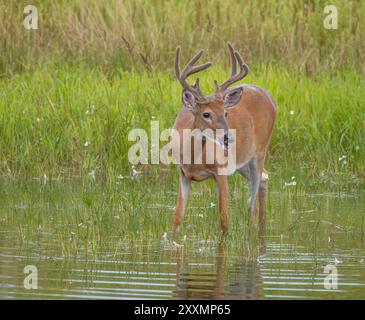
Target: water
x=90 y=241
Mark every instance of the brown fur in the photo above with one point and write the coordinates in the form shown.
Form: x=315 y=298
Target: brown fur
x=249 y=110
x=253 y=118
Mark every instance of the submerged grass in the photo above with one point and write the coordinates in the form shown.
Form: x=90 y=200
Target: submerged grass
x=84 y=236
x=85 y=219
x=68 y=121
x=71 y=91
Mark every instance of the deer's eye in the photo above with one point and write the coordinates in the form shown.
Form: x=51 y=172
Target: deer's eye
x=206 y=115
x=225 y=114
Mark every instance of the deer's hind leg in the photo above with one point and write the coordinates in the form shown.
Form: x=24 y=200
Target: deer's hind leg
x=256 y=175
x=252 y=174
x=263 y=190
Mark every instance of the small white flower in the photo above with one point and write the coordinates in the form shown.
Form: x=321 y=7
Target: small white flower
x=185 y=237
x=91 y=110
x=342 y=158
x=200 y=215
x=291 y=112
x=120 y=177
x=362 y=261
x=45 y=179
x=135 y=172
x=38 y=119
x=164 y=236
x=92 y=174
x=212 y=205
x=87 y=143
x=290 y=184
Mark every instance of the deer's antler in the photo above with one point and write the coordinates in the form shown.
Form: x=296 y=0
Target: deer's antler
x=188 y=71
x=235 y=58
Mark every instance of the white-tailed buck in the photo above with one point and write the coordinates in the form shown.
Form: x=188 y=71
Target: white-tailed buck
x=246 y=109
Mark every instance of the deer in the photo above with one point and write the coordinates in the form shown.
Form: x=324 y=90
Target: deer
x=247 y=109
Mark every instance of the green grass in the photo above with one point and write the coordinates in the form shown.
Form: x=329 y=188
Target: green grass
x=71 y=91
x=143 y=34
x=48 y=115
x=95 y=70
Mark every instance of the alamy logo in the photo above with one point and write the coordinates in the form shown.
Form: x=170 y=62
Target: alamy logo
x=191 y=146
x=330 y=282
x=31 y=280
x=331 y=20
x=31 y=20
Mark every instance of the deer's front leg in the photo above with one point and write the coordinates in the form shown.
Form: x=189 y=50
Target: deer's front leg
x=222 y=189
x=182 y=198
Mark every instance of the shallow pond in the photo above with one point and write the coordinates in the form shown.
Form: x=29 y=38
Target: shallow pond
x=92 y=240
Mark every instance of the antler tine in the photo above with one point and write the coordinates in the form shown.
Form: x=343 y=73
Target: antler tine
x=199 y=68
x=235 y=58
x=177 y=62
x=192 y=61
x=244 y=67
x=189 y=70
x=197 y=87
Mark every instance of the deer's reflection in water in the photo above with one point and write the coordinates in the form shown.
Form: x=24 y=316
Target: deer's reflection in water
x=230 y=277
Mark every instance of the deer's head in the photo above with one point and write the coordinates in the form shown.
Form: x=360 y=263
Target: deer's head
x=210 y=112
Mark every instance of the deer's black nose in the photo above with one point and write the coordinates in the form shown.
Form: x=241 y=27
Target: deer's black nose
x=228 y=138
x=225 y=140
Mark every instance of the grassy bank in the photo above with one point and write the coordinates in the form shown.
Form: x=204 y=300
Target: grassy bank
x=62 y=119
x=72 y=90
x=143 y=34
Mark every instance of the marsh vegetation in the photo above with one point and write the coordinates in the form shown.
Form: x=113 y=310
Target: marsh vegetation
x=71 y=203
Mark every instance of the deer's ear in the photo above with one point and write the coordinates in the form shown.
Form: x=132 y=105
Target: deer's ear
x=189 y=100
x=232 y=97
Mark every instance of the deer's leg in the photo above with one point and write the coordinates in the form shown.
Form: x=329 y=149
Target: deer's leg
x=263 y=189
x=258 y=178
x=259 y=187
x=255 y=178
x=222 y=189
x=245 y=172
x=252 y=172
x=183 y=195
